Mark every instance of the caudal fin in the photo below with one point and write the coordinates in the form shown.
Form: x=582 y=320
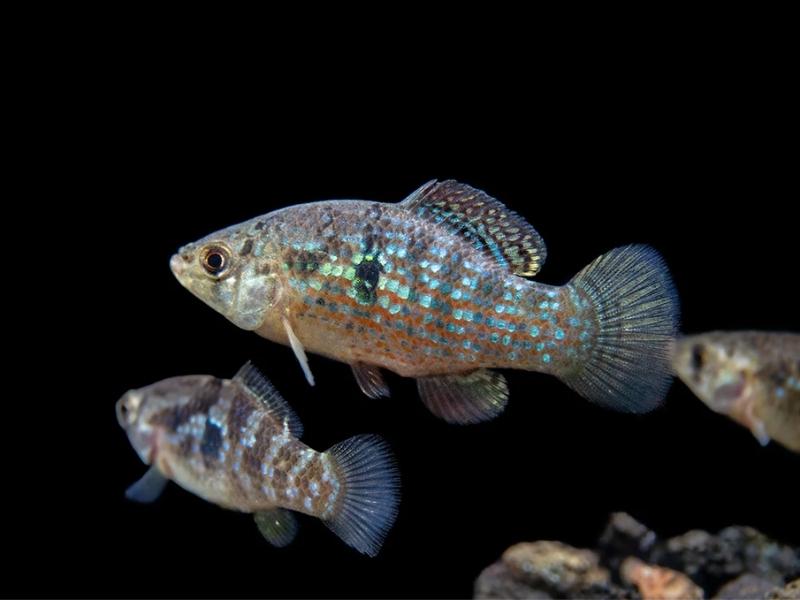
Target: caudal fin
x=637 y=309
x=369 y=484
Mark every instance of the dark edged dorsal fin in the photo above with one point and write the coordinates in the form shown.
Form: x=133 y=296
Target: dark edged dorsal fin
x=466 y=397
x=501 y=234
x=278 y=526
x=251 y=378
x=370 y=380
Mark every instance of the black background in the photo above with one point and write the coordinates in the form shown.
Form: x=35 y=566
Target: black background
x=689 y=152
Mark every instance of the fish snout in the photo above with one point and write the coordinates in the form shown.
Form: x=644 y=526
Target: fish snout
x=177 y=264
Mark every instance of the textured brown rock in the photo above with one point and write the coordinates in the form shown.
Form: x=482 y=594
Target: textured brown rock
x=625 y=536
x=659 y=583
x=554 y=566
x=745 y=587
x=497 y=582
x=713 y=560
x=790 y=592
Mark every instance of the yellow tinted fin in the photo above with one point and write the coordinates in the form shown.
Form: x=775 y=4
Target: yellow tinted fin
x=278 y=526
x=465 y=398
x=501 y=234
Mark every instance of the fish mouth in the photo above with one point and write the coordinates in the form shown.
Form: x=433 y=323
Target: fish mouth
x=176 y=265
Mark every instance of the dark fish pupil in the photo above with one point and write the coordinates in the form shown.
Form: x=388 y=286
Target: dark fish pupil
x=215 y=260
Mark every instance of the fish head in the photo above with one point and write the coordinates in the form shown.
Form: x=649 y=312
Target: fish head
x=229 y=271
x=713 y=370
x=150 y=413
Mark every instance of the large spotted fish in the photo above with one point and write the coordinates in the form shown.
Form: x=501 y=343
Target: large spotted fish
x=433 y=288
x=753 y=377
x=235 y=443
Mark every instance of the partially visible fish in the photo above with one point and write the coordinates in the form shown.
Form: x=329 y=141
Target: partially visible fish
x=235 y=443
x=752 y=377
x=433 y=288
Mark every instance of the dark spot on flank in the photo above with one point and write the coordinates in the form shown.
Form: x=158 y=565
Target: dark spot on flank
x=366 y=280
x=320 y=301
x=260 y=225
x=697 y=358
x=246 y=248
x=212 y=440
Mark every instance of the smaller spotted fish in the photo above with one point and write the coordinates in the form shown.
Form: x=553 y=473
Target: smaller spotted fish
x=752 y=377
x=235 y=442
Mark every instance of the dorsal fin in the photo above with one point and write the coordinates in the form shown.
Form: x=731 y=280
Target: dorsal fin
x=251 y=378
x=504 y=236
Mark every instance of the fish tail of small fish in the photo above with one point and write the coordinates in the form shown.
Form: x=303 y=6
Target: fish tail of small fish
x=636 y=306
x=369 y=492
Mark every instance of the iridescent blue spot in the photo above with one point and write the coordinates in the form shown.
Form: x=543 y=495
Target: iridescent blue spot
x=506 y=340
x=551 y=294
x=511 y=310
x=395 y=309
x=456 y=294
x=540 y=346
x=508 y=297
x=495 y=337
x=424 y=264
x=534 y=331
x=559 y=334
x=424 y=277
x=528 y=345
x=401 y=252
x=391 y=249
x=460 y=330
x=512 y=356
x=436 y=267
x=574 y=322
x=383 y=301
x=544 y=305
x=489 y=322
x=544 y=316
x=499 y=308
x=555 y=305
x=434 y=284
x=512 y=328
x=403 y=291
x=501 y=324
x=451 y=328
x=458 y=314
x=584 y=336
x=478 y=317
x=467 y=344
x=546 y=358
x=447 y=288
x=466 y=281
x=392 y=285
x=425 y=300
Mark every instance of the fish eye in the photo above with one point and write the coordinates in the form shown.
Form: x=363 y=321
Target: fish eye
x=215 y=260
x=697 y=357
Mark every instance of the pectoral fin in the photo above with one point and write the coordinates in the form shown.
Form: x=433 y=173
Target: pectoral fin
x=465 y=398
x=148 y=488
x=299 y=352
x=370 y=380
x=278 y=526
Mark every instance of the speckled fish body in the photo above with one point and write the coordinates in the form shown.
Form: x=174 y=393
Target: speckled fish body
x=433 y=288
x=235 y=443
x=752 y=377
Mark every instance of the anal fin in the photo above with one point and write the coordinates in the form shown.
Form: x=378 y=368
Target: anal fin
x=370 y=380
x=278 y=526
x=465 y=397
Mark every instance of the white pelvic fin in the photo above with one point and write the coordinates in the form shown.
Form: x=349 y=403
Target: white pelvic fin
x=148 y=488
x=299 y=352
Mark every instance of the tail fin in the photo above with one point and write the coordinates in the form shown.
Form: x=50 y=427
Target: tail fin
x=637 y=309
x=370 y=492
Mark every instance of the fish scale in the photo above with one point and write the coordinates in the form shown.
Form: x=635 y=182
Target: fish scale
x=434 y=288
